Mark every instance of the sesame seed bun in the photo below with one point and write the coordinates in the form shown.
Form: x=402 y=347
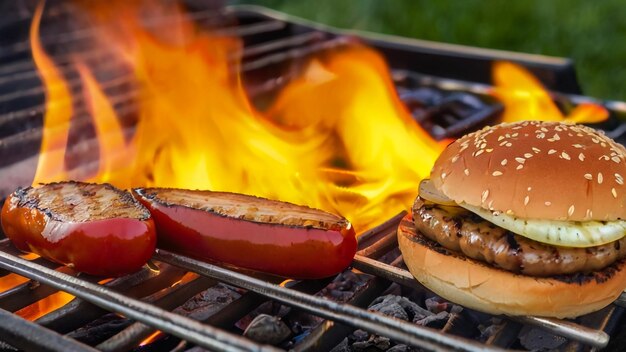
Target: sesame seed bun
x=536 y=170
x=479 y=286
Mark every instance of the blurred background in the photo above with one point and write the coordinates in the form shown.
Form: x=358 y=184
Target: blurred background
x=592 y=33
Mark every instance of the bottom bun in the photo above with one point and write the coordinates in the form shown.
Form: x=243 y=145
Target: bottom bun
x=479 y=286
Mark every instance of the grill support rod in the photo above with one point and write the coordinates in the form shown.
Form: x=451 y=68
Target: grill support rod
x=183 y=327
x=395 y=329
x=596 y=338
x=25 y=334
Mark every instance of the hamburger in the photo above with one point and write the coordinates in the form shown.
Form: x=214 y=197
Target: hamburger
x=522 y=218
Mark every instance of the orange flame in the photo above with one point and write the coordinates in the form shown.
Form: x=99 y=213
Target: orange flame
x=525 y=98
x=45 y=306
x=150 y=339
x=58 y=111
x=337 y=138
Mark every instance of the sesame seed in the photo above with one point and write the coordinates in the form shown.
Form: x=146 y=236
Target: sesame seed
x=565 y=156
x=526 y=200
x=595 y=140
x=570 y=211
x=551 y=151
x=466 y=172
x=515 y=135
x=500 y=138
x=482 y=146
x=496 y=173
x=529 y=189
x=600 y=178
x=577 y=146
x=614 y=192
x=519 y=167
x=615 y=159
x=489 y=150
x=443 y=175
x=503 y=162
x=556 y=137
x=520 y=160
x=536 y=150
x=484 y=195
x=479 y=152
x=528 y=155
x=455 y=158
x=619 y=179
x=508 y=144
x=588 y=177
x=581 y=156
x=509 y=212
x=547 y=204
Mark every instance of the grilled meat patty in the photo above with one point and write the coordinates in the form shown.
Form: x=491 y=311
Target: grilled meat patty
x=461 y=230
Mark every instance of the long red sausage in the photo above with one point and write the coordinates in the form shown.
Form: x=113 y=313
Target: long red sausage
x=255 y=233
x=96 y=229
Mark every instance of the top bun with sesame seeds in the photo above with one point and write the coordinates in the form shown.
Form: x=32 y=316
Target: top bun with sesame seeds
x=536 y=170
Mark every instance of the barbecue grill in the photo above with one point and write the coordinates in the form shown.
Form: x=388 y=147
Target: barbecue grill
x=450 y=84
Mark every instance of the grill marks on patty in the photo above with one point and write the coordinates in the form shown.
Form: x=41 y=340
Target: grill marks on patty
x=460 y=230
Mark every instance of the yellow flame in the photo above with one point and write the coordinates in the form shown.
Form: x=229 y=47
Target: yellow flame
x=355 y=152
x=51 y=163
x=525 y=98
x=336 y=137
x=114 y=154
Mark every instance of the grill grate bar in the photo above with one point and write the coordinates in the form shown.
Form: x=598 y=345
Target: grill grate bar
x=73 y=36
x=30 y=336
x=596 y=338
x=171 y=298
x=395 y=329
x=188 y=329
x=296 y=53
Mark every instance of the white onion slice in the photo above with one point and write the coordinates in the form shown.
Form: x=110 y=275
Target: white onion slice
x=430 y=193
x=554 y=232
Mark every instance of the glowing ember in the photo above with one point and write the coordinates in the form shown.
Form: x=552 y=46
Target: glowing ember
x=524 y=98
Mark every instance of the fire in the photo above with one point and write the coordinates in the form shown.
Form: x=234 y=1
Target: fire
x=337 y=138
x=58 y=110
x=150 y=339
x=525 y=98
x=45 y=306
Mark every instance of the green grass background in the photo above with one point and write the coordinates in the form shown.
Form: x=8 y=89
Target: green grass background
x=593 y=33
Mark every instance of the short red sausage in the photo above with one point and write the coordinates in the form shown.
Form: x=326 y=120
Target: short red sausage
x=255 y=233
x=96 y=229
